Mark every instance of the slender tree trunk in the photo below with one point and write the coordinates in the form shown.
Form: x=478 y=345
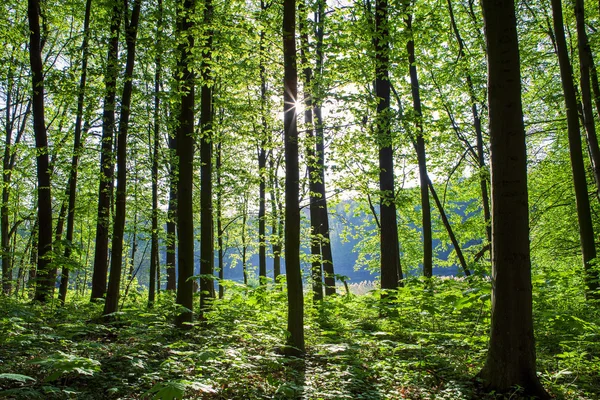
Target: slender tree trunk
x=315 y=214
x=585 y=64
x=276 y=220
x=292 y=187
x=586 y=229
x=185 y=153
x=262 y=161
x=77 y=146
x=32 y=281
x=391 y=272
x=207 y=245
x=105 y=191
x=154 y=260
x=172 y=216
x=318 y=98
x=114 y=282
x=483 y=173
x=220 y=221
x=244 y=244
x=45 y=278
x=8 y=164
x=421 y=155
x=457 y=249
x=511 y=357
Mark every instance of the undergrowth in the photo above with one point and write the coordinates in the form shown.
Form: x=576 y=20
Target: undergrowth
x=423 y=342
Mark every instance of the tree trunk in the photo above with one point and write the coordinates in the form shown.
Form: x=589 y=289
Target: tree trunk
x=391 y=272
x=185 y=153
x=207 y=244
x=262 y=161
x=511 y=357
x=585 y=64
x=154 y=260
x=318 y=98
x=483 y=173
x=315 y=214
x=292 y=189
x=105 y=190
x=172 y=216
x=45 y=276
x=421 y=155
x=114 y=282
x=586 y=229
x=77 y=146
x=220 y=221
x=276 y=220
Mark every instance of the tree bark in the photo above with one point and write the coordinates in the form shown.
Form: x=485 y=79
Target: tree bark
x=172 y=216
x=154 y=259
x=586 y=229
x=318 y=98
x=105 y=191
x=262 y=161
x=585 y=65
x=292 y=189
x=483 y=172
x=185 y=153
x=315 y=214
x=391 y=272
x=220 y=222
x=421 y=155
x=77 y=147
x=114 y=282
x=511 y=357
x=45 y=277
x=207 y=245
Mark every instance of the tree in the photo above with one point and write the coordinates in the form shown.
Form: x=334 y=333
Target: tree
x=114 y=282
x=105 y=191
x=154 y=256
x=207 y=245
x=511 y=357
x=292 y=177
x=584 y=216
x=185 y=153
x=420 y=148
x=45 y=273
x=391 y=271
x=77 y=147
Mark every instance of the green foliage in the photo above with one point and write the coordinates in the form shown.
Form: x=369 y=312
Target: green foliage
x=430 y=343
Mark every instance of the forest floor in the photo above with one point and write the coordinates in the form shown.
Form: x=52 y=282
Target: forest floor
x=430 y=345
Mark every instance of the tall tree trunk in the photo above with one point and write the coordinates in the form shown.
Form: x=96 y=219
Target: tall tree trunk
x=586 y=229
x=77 y=146
x=114 y=281
x=172 y=216
x=292 y=186
x=262 y=161
x=45 y=277
x=185 y=153
x=391 y=272
x=207 y=244
x=8 y=164
x=421 y=155
x=483 y=173
x=585 y=64
x=318 y=98
x=276 y=219
x=315 y=214
x=511 y=357
x=105 y=191
x=220 y=221
x=154 y=260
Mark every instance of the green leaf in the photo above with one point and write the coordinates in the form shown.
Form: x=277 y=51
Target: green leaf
x=17 y=377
